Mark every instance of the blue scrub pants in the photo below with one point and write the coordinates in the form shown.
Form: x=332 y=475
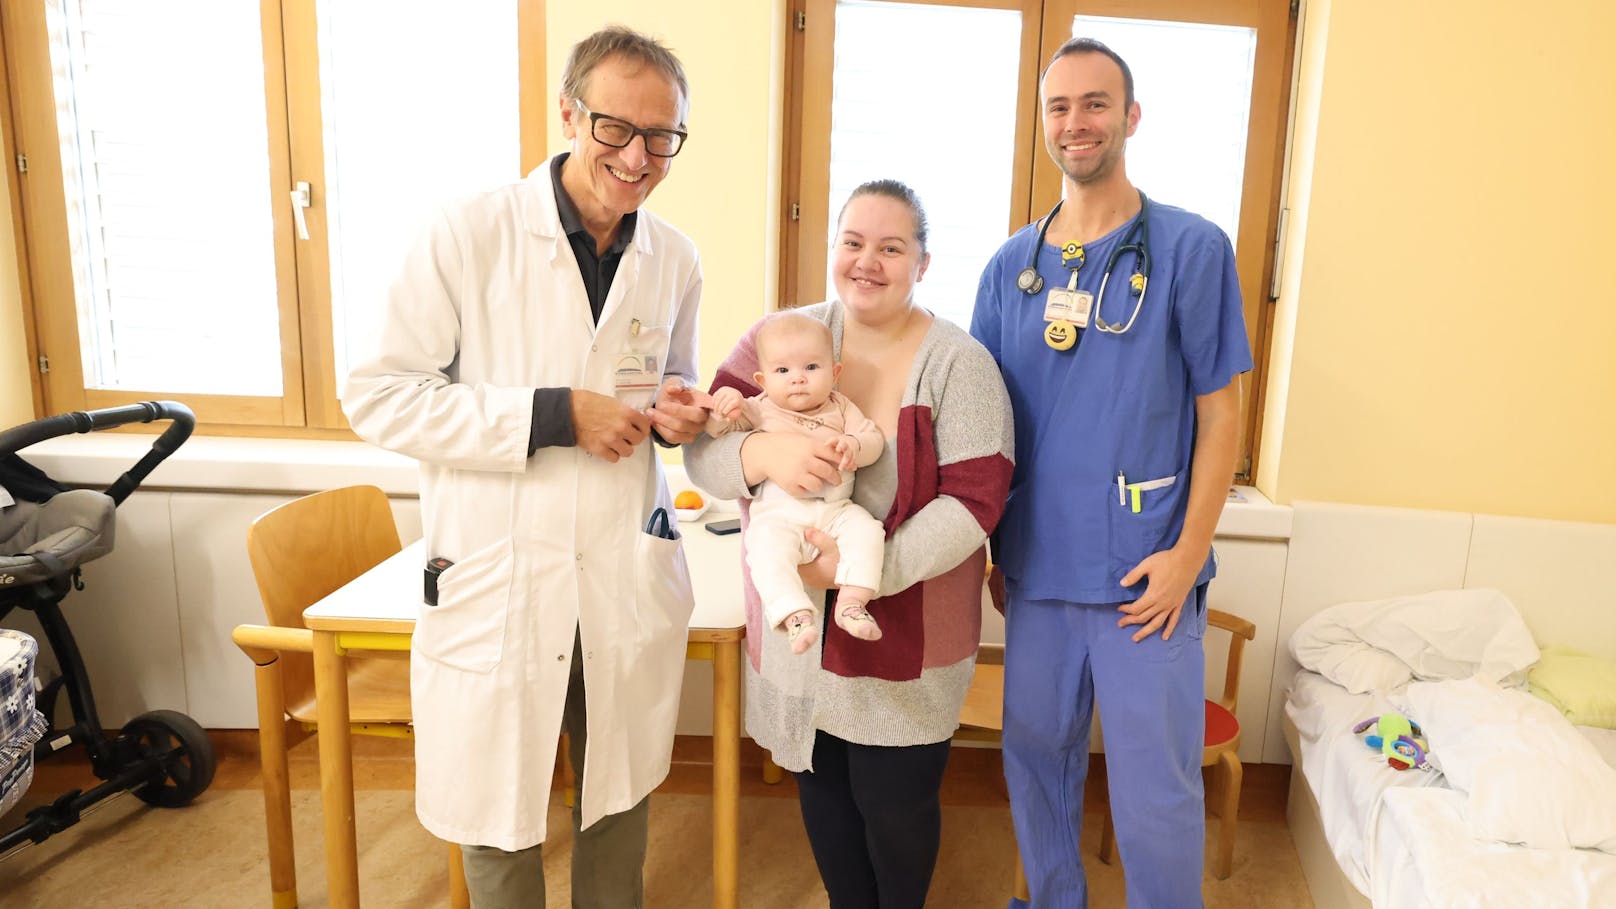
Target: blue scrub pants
x=1060 y=660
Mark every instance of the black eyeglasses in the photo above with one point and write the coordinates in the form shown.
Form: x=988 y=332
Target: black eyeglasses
x=618 y=133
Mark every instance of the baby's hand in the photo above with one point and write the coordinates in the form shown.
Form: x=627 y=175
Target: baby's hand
x=727 y=402
x=848 y=447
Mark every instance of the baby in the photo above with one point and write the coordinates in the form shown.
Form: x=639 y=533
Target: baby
x=798 y=372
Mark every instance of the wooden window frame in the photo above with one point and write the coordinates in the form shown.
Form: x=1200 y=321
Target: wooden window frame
x=308 y=406
x=810 y=58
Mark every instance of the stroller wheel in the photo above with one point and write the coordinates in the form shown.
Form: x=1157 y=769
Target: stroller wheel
x=182 y=748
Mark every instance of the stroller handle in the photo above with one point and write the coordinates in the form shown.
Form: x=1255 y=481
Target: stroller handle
x=182 y=421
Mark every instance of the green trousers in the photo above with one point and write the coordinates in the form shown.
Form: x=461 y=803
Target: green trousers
x=608 y=859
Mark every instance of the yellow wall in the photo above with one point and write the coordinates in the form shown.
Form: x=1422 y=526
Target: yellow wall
x=1453 y=313
x=16 y=394
x=724 y=188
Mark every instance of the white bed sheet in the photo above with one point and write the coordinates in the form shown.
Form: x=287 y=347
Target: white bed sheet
x=1346 y=776
x=1604 y=741
x=1425 y=858
x=1401 y=837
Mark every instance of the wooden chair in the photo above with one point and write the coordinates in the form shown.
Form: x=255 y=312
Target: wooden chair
x=1222 y=746
x=300 y=552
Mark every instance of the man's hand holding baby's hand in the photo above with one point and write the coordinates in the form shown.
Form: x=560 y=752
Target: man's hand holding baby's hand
x=847 y=446
x=675 y=414
x=727 y=402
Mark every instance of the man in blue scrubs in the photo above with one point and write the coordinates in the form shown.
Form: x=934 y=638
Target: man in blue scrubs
x=1127 y=413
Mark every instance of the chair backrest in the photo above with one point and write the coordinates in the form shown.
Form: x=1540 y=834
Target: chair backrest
x=305 y=549
x=1240 y=631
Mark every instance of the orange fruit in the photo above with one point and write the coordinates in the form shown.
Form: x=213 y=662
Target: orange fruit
x=687 y=499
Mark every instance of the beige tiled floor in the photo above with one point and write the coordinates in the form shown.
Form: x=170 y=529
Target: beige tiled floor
x=210 y=854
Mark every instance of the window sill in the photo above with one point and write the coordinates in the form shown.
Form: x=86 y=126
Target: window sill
x=298 y=466
x=227 y=464
x=1256 y=518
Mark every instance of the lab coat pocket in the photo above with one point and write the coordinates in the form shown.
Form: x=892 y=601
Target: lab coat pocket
x=662 y=597
x=466 y=630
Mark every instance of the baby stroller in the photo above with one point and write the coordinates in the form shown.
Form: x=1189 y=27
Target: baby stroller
x=163 y=756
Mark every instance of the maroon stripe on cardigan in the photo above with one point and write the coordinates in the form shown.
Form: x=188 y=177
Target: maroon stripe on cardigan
x=917 y=466
x=981 y=485
x=954 y=611
x=898 y=656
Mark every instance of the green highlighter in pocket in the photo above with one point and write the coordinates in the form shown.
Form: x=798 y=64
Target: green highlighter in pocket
x=1129 y=494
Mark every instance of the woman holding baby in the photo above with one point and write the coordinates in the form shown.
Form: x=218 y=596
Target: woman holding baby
x=864 y=718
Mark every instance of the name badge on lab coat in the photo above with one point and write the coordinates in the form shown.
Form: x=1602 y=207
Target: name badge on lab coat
x=637 y=372
x=639 y=365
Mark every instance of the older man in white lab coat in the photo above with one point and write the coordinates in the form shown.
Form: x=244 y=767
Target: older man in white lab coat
x=523 y=345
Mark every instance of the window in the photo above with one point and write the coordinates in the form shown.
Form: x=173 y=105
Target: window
x=384 y=116
x=1206 y=114
x=944 y=96
x=882 y=127
x=218 y=193
x=167 y=209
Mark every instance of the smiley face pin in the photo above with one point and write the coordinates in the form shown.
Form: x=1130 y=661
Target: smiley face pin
x=1060 y=334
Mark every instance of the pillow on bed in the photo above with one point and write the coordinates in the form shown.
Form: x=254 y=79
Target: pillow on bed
x=1381 y=645
x=1580 y=686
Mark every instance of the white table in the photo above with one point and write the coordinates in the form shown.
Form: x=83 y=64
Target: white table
x=376 y=612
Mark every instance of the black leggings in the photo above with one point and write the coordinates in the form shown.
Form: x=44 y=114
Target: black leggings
x=874 y=820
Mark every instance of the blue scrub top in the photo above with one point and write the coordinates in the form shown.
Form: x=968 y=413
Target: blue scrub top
x=1112 y=403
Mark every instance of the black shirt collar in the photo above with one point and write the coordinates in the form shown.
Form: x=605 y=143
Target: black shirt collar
x=572 y=223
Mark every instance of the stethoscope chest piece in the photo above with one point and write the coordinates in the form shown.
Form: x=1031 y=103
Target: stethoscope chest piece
x=1029 y=281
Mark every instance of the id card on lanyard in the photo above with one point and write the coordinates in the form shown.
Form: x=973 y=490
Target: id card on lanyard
x=639 y=365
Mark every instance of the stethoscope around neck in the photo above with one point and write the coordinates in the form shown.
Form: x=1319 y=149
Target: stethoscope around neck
x=1030 y=282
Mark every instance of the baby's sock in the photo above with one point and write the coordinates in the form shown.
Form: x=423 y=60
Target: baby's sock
x=801 y=630
x=853 y=618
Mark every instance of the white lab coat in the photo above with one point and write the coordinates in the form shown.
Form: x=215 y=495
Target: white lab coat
x=490 y=306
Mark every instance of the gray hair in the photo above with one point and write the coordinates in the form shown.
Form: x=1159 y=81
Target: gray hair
x=620 y=41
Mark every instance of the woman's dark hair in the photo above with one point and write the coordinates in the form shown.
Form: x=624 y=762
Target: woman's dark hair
x=893 y=189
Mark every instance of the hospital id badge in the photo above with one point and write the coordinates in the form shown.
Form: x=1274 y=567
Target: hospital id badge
x=637 y=372
x=1066 y=305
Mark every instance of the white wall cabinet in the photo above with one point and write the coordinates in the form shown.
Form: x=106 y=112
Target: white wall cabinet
x=154 y=619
